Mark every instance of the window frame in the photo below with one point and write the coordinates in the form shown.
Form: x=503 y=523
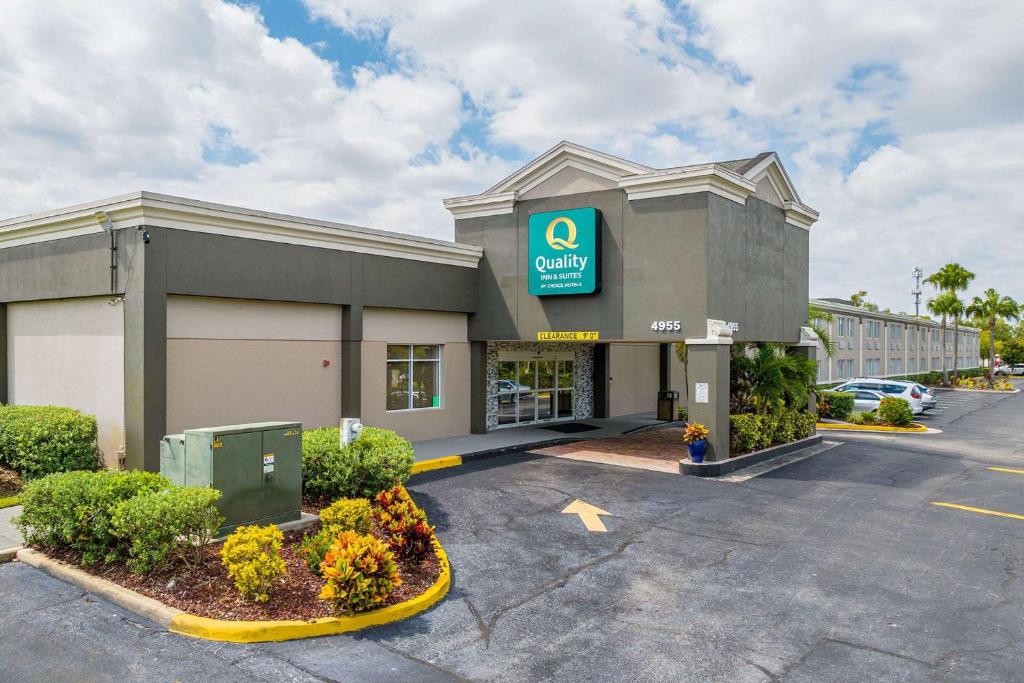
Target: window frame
x=410 y=361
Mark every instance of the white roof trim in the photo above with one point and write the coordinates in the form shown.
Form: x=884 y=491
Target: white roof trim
x=584 y=158
x=903 y=318
x=772 y=166
x=166 y=211
x=799 y=214
x=479 y=205
x=688 y=179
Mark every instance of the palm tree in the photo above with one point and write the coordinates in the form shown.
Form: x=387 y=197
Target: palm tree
x=943 y=305
x=952 y=278
x=767 y=377
x=993 y=306
x=819 y=320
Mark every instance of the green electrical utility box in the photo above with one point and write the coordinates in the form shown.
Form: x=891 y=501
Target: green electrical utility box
x=256 y=467
x=172 y=458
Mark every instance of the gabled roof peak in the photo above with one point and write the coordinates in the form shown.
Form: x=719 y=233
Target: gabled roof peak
x=735 y=180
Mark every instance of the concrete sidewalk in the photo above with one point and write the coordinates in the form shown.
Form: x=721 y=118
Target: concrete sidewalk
x=9 y=536
x=521 y=438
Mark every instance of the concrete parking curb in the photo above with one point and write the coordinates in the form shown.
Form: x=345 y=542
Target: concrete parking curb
x=982 y=391
x=843 y=427
x=183 y=623
x=9 y=554
x=151 y=609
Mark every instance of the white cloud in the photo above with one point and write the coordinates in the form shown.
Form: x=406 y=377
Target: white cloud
x=131 y=94
x=900 y=123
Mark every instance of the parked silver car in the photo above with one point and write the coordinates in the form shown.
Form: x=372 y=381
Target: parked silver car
x=865 y=401
x=894 y=388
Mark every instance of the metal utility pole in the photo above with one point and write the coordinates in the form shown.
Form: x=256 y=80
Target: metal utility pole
x=916 y=291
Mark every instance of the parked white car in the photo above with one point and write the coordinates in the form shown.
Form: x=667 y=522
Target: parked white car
x=1017 y=369
x=893 y=388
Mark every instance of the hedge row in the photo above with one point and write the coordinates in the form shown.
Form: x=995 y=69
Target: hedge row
x=374 y=462
x=106 y=516
x=754 y=431
x=39 y=440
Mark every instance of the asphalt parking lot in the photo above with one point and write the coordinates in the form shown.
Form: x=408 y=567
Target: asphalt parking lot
x=840 y=567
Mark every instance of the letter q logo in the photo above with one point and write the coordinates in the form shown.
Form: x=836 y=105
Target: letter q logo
x=558 y=243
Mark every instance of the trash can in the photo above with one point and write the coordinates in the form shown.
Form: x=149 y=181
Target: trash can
x=668 y=405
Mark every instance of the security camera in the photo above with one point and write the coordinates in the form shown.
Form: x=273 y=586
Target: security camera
x=104 y=220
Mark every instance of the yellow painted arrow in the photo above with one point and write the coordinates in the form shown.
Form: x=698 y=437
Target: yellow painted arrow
x=588 y=514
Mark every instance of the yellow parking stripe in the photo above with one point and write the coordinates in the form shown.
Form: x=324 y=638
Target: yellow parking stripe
x=982 y=511
x=1011 y=470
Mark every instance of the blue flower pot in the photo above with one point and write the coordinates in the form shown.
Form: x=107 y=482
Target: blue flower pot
x=697 y=450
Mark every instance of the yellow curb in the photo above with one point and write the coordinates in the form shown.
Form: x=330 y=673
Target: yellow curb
x=273 y=631
x=436 y=464
x=842 y=426
x=206 y=628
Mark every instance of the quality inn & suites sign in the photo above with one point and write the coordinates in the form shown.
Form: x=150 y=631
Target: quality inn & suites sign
x=565 y=252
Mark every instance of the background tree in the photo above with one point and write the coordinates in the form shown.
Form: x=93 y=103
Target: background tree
x=993 y=306
x=859 y=299
x=943 y=305
x=952 y=278
x=1013 y=351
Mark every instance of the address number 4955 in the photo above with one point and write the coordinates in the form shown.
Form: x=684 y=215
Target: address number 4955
x=666 y=326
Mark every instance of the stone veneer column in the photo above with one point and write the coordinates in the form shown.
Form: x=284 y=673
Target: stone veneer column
x=708 y=363
x=478 y=387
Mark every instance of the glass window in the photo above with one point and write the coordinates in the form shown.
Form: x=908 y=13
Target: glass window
x=414 y=377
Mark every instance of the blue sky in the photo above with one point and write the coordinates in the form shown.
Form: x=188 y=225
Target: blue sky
x=893 y=120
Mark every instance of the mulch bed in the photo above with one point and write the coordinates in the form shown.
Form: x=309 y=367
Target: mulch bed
x=206 y=590
x=10 y=483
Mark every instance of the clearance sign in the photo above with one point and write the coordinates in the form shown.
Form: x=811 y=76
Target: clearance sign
x=568 y=336
x=565 y=252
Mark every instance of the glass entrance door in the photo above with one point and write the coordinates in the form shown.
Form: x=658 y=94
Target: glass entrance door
x=535 y=390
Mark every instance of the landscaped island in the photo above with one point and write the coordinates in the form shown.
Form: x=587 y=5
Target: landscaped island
x=371 y=548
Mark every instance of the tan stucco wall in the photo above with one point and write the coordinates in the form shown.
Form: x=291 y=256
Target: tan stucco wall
x=70 y=352
x=634 y=373
x=568 y=181
x=235 y=361
x=382 y=326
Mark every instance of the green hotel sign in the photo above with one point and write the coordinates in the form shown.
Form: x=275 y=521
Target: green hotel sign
x=565 y=252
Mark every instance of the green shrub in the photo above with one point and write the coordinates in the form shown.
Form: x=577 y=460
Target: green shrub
x=377 y=460
x=361 y=573
x=75 y=509
x=895 y=411
x=745 y=431
x=836 y=405
x=314 y=547
x=382 y=459
x=805 y=424
x=752 y=431
x=326 y=469
x=39 y=440
x=348 y=514
x=252 y=556
x=175 y=523
x=862 y=418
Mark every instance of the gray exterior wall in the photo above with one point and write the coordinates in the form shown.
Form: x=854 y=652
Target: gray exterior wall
x=202 y=264
x=682 y=257
x=757 y=270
